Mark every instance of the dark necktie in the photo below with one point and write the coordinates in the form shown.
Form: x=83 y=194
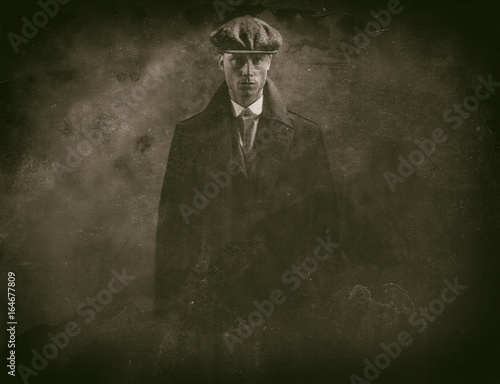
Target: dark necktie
x=246 y=129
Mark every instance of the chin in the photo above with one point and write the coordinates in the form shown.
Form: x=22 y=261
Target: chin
x=246 y=93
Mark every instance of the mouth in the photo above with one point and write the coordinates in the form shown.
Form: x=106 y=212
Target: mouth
x=247 y=82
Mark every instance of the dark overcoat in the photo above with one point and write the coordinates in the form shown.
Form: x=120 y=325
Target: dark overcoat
x=226 y=234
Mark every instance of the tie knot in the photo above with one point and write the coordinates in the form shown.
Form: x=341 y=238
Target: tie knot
x=246 y=113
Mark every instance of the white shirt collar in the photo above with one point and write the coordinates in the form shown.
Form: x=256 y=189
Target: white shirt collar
x=255 y=108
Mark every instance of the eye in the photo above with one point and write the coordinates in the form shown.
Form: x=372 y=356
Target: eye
x=257 y=60
x=237 y=62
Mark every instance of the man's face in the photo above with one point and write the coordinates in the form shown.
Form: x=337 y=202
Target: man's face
x=246 y=74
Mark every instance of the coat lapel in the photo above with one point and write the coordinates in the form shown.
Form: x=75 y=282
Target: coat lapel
x=219 y=119
x=274 y=137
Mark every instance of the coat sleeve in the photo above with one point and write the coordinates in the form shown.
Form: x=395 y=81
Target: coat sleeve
x=176 y=240
x=326 y=204
x=306 y=198
x=321 y=202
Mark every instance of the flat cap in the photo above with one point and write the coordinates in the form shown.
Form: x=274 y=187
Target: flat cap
x=246 y=34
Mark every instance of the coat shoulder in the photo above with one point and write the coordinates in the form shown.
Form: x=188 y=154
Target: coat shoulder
x=193 y=126
x=302 y=122
x=193 y=120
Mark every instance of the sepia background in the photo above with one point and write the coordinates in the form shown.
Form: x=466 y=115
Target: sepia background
x=127 y=72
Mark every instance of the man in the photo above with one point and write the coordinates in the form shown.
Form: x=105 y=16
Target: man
x=247 y=190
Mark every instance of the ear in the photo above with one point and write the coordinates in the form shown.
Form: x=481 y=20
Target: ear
x=270 y=58
x=220 y=58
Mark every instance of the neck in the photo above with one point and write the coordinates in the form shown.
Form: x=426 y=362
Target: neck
x=245 y=102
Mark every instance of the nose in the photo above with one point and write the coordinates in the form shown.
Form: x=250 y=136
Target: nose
x=247 y=69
